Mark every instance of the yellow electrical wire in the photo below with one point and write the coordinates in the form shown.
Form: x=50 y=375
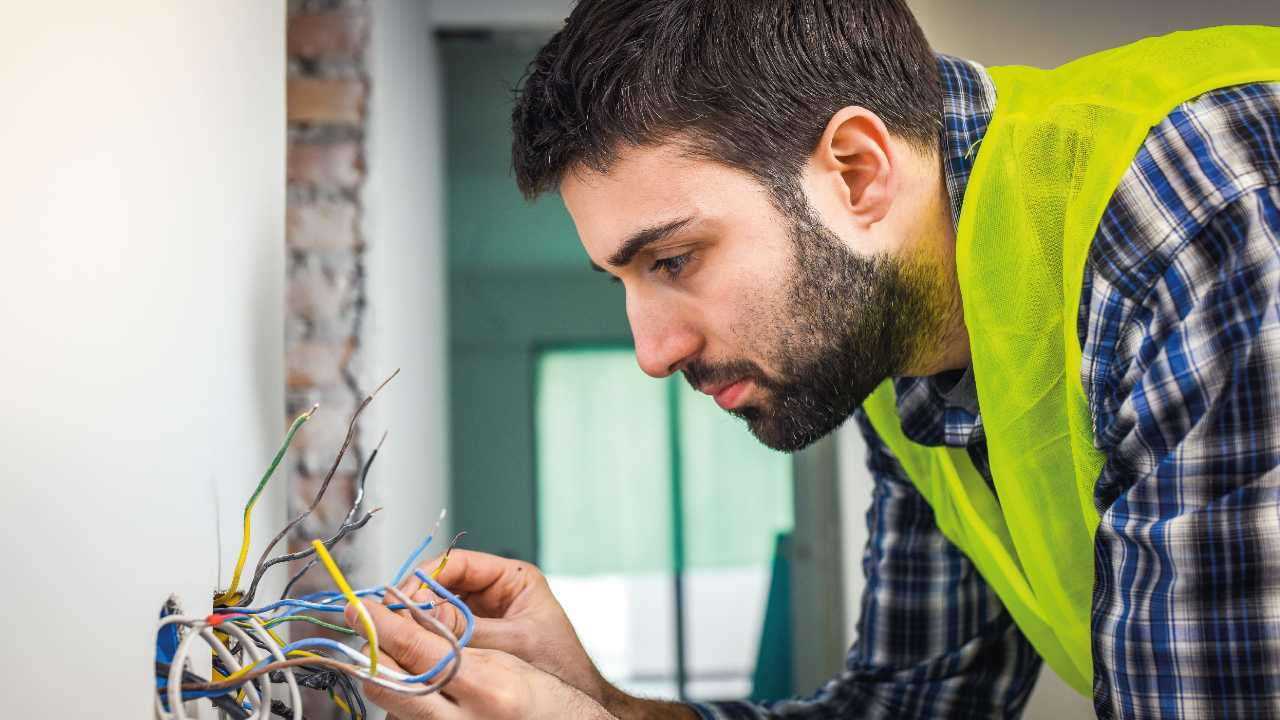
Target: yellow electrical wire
x=231 y=596
x=444 y=560
x=342 y=705
x=279 y=641
x=246 y=668
x=371 y=632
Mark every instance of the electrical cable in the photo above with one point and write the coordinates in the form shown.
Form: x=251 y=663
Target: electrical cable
x=221 y=700
x=408 y=562
x=175 y=696
x=445 y=560
x=229 y=596
x=314 y=621
x=370 y=630
x=342 y=532
x=296 y=577
x=265 y=635
x=324 y=485
x=354 y=697
x=394 y=680
x=305 y=605
x=262 y=707
x=356 y=656
x=174 y=685
x=348 y=525
x=364 y=477
x=250 y=658
x=361 y=672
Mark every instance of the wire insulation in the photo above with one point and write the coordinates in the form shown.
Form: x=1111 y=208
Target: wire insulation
x=324 y=485
x=408 y=562
x=371 y=631
x=229 y=596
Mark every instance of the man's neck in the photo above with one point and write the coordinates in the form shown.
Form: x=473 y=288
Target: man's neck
x=947 y=344
x=968 y=102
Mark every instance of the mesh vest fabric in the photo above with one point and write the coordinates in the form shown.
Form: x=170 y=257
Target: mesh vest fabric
x=1058 y=144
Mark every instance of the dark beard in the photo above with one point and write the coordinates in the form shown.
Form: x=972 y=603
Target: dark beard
x=851 y=322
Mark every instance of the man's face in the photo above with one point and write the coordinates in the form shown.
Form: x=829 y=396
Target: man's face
x=773 y=314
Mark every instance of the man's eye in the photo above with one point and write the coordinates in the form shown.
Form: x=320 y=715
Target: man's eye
x=672 y=265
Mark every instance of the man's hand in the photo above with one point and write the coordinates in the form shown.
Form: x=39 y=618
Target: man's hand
x=489 y=683
x=517 y=614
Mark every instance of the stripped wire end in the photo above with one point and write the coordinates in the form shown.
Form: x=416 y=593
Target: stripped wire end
x=444 y=560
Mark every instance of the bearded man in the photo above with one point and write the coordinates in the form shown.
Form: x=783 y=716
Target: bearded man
x=1050 y=300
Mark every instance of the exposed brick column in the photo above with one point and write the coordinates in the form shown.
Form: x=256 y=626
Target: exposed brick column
x=328 y=90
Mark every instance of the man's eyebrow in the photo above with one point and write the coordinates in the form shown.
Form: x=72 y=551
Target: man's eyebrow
x=642 y=238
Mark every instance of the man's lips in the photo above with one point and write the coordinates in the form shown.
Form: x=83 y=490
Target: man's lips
x=728 y=395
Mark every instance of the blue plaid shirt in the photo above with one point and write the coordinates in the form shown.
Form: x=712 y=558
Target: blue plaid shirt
x=1180 y=327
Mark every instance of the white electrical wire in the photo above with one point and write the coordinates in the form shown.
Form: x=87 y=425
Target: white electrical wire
x=174 y=689
x=261 y=704
x=295 y=697
x=187 y=621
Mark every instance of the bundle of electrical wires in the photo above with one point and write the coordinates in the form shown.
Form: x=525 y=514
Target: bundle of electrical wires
x=250 y=660
x=249 y=657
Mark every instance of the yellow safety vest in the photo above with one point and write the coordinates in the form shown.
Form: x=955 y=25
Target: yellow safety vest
x=1057 y=146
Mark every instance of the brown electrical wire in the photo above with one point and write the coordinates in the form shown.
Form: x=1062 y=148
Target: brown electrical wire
x=343 y=531
x=346 y=443
x=347 y=526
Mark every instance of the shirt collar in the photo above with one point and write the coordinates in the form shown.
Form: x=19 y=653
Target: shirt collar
x=968 y=99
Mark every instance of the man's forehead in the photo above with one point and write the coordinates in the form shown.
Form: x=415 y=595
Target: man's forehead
x=659 y=171
x=645 y=187
x=649 y=187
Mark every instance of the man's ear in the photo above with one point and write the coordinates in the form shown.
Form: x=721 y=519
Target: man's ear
x=855 y=160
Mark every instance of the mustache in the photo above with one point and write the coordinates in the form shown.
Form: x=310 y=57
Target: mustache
x=701 y=374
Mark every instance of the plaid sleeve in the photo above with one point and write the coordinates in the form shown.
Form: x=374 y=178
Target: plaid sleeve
x=933 y=639
x=1187 y=592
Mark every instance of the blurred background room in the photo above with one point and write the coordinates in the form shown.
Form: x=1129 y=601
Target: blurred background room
x=216 y=214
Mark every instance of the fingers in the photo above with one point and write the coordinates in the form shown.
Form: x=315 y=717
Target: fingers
x=485 y=632
x=410 y=707
x=419 y=595
x=412 y=646
x=492 y=583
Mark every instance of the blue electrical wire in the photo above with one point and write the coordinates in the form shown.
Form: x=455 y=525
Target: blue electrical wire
x=318 y=607
x=439 y=666
x=408 y=562
x=331 y=595
x=453 y=600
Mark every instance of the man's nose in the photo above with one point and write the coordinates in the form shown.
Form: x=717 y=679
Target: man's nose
x=663 y=340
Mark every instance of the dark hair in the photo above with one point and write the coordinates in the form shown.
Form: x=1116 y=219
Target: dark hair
x=748 y=83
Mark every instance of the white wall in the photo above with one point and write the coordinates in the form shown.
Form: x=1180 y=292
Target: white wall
x=406 y=282
x=141 y=221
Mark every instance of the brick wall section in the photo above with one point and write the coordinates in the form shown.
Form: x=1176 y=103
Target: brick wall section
x=328 y=91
